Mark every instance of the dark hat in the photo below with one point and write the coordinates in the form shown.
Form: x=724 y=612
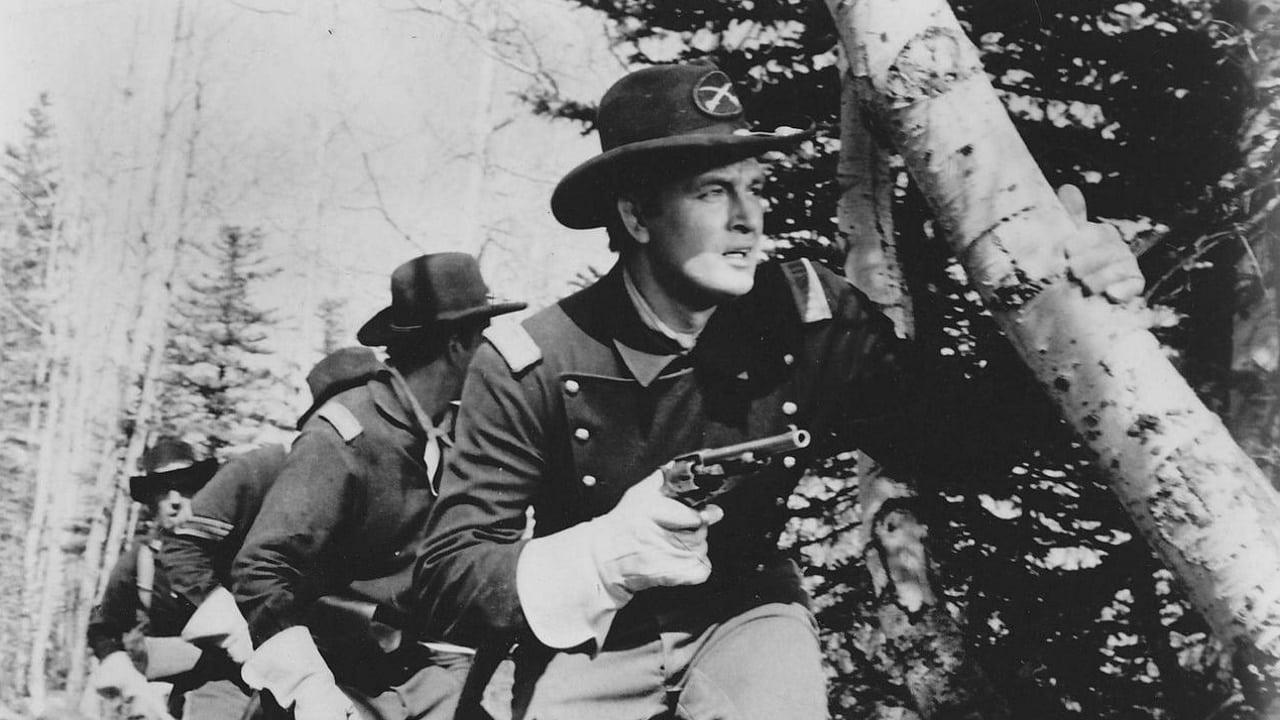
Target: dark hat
x=431 y=290
x=662 y=121
x=339 y=370
x=186 y=479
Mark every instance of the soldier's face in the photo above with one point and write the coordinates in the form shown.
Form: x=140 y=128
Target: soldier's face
x=704 y=233
x=172 y=508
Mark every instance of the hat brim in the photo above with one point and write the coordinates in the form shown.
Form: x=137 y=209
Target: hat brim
x=584 y=197
x=187 y=480
x=381 y=329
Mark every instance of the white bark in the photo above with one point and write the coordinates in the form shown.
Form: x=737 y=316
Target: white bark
x=865 y=213
x=918 y=639
x=1195 y=496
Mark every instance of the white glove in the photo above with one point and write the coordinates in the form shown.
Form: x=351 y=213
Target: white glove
x=647 y=540
x=1097 y=256
x=290 y=666
x=218 y=621
x=650 y=540
x=320 y=699
x=117 y=678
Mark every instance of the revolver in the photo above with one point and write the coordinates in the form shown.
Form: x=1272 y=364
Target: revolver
x=697 y=477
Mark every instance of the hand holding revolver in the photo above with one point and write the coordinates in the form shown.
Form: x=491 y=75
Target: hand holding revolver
x=696 y=478
x=655 y=536
x=649 y=539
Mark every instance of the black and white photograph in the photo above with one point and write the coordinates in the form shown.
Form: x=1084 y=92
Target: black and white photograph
x=639 y=359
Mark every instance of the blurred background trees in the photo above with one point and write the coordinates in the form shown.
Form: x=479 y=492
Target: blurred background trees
x=140 y=290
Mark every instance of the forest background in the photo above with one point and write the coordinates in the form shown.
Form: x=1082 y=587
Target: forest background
x=201 y=197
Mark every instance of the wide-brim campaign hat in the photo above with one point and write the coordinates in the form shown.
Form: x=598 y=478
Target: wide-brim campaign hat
x=432 y=290
x=340 y=370
x=166 y=452
x=662 y=122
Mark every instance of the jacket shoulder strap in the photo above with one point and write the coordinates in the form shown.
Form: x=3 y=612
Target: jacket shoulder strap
x=342 y=420
x=515 y=345
x=806 y=290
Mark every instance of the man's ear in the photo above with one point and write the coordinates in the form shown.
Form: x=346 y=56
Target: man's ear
x=462 y=345
x=632 y=218
x=456 y=347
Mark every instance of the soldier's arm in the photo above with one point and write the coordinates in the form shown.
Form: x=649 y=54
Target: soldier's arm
x=920 y=416
x=287 y=559
x=464 y=584
x=191 y=549
x=118 y=612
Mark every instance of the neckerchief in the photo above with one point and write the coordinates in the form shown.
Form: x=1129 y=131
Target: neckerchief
x=437 y=436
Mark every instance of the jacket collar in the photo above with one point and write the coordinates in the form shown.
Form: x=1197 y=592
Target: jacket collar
x=732 y=345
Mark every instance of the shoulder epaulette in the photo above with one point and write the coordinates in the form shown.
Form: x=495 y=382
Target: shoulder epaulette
x=514 y=344
x=806 y=290
x=342 y=420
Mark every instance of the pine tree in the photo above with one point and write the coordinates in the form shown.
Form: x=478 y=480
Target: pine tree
x=218 y=381
x=26 y=244
x=28 y=199
x=333 y=324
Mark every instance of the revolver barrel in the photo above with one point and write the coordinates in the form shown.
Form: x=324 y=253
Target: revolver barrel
x=793 y=439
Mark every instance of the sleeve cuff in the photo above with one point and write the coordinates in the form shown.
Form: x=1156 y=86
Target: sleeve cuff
x=284 y=663
x=216 y=618
x=563 y=600
x=168 y=656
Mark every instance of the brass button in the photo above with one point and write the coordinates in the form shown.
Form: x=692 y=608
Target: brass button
x=788 y=462
x=572 y=387
x=789 y=408
x=760 y=567
x=582 y=434
x=779 y=501
x=589 y=480
x=789 y=359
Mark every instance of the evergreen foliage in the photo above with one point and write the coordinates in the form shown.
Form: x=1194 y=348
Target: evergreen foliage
x=1138 y=104
x=217 y=386
x=333 y=324
x=26 y=245
x=28 y=226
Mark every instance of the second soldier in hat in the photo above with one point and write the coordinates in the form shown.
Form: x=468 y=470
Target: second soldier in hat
x=134 y=631
x=197 y=553
x=320 y=572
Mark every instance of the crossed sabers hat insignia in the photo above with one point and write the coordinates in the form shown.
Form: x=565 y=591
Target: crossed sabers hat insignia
x=714 y=95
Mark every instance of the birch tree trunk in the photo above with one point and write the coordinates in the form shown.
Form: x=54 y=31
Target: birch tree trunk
x=1194 y=495
x=107 y=326
x=922 y=642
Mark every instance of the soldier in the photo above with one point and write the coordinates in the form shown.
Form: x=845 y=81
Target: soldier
x=197 y=553
x=134 y=631
x=626 y=603
x=346 y=513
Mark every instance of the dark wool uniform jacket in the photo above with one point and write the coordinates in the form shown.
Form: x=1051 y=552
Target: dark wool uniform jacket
x=197 y=554
x=122 y=621
x=122 y=610
x=343 y=518
x=586 y=401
